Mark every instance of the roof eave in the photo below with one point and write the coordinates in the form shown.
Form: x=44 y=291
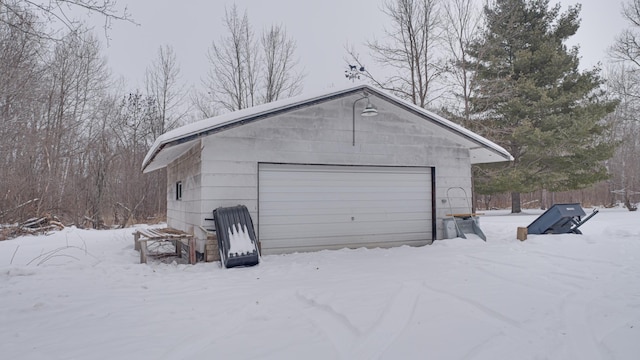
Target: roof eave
x=166 y=140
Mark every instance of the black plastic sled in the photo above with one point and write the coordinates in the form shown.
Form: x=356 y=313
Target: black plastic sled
x=236 y=237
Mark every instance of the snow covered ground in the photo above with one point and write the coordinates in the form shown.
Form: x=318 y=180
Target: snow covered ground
x=81 y=294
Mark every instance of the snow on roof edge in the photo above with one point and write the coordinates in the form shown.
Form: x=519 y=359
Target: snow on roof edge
x=235 y=116
x=212 y=123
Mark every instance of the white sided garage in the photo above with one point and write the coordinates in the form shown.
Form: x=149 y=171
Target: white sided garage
x=320 y=172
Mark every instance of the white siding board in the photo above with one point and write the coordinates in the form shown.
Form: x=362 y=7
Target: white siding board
x=216 y=167
x=210 y=205
x=185 y=214
x=228 y=192
x=241 y=180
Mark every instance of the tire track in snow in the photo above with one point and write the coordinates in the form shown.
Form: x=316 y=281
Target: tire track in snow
x=336 y=326
x=576 y=259
x=495 y=262
x=524 y=270
x=513 y=281
x=508 y=327
x=529 y=336
x=394 y=320
x=482 y=308
x=582 y=342
x=351 y=343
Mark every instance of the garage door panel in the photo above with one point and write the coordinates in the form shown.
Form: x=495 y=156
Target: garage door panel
x=290 y=246
x=309 y=206
x=333 y=178
x=331 y=181
x=373 y=206
x=351 y=240
x=294 y=189
x=342 y=197
x=296 y=170
x=301 y=231
x=332 y=218
x=341 y=231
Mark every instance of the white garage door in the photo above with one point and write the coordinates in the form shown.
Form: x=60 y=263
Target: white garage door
x=313 y=207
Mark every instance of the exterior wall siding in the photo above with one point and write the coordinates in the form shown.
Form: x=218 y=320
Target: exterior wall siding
x=322 y=134
x=185 y=214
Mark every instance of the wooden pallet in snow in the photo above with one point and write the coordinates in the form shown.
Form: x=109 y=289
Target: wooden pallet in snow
x=142 y=238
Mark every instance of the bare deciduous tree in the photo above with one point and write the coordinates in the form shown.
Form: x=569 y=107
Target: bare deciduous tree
x=624 y=166
x=132 y=129
x=280 y=76
x=77 y=76
x=60 y=12
x=163 y=85
x=204 y=104
x=624 y=81
x=462 y=23
x=233 y=76
x=21 y=70
x=238 y=61
x=68 y=147
x=49 y=93
x=98 y=159
x=412 y=48
x=627 y=45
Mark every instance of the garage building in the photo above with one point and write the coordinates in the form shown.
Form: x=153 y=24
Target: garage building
x=319 y=172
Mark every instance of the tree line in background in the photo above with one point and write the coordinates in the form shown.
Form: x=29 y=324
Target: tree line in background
x=72 y=139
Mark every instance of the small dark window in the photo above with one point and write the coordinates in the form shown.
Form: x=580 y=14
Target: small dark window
x=179 y=190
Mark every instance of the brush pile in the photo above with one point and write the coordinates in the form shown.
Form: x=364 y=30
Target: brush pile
x=32 y=226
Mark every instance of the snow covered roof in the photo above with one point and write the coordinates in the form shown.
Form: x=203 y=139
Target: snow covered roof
x=174 y=143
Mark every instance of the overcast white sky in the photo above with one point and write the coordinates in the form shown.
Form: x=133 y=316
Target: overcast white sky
x=321 y=29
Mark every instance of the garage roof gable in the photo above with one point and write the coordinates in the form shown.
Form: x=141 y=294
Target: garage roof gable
x=174 y=143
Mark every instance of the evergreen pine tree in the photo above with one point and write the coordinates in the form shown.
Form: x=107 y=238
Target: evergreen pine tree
x=531 y=98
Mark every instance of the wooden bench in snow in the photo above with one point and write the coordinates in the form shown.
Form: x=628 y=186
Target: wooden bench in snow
x=180 y=240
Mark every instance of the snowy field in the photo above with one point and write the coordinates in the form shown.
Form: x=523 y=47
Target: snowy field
x=80 y=294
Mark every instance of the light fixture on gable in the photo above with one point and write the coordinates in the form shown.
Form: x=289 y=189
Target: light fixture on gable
x=368 y=111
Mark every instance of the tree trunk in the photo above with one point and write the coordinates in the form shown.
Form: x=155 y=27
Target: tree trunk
x=515 y=203
x=487 y=202
x=628 y=204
